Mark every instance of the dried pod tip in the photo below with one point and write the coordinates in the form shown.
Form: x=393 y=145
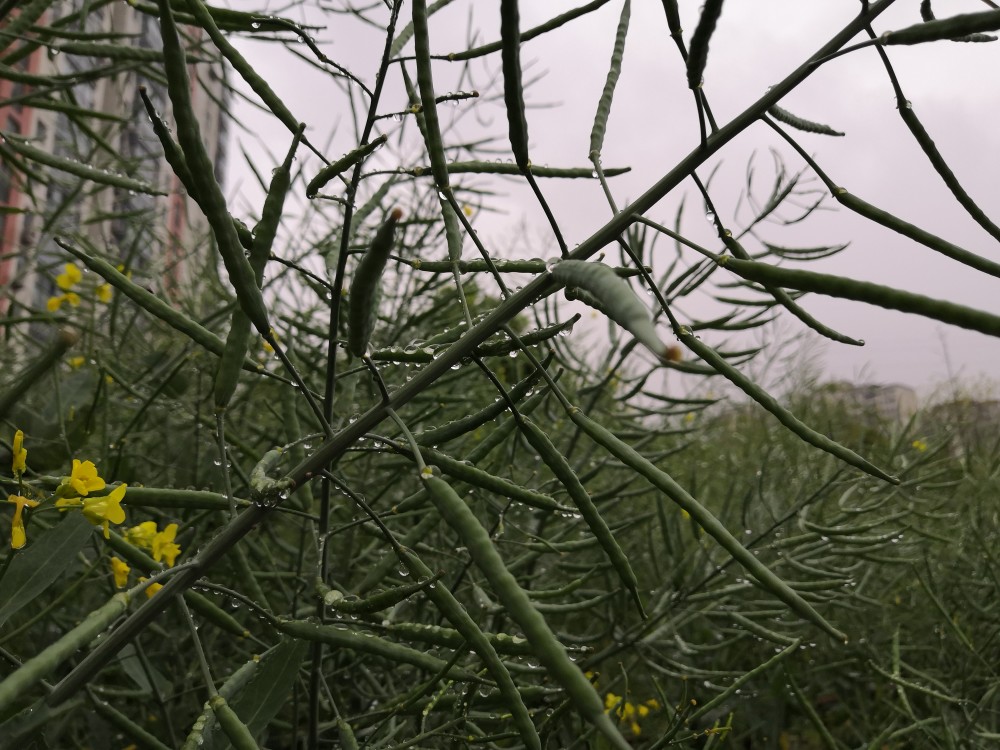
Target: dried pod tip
x=396 y=214
x=674 y=353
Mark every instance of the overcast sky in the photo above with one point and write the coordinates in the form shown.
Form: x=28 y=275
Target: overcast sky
x=954 y=88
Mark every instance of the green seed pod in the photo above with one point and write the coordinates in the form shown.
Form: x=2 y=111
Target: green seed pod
x=519 y=608
x=237 y=732
x=614 y=298
x=560 y=467
x=330 y=171
x=614 y=71
x=363 y=300
x=513 y=91
x=947 y=28
x=698 y=53
x=806 y=126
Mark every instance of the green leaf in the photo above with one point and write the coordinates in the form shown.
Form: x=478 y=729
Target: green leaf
x=42 y=562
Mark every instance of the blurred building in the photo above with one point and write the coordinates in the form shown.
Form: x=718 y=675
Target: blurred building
x=871 y=404
x=67 y=99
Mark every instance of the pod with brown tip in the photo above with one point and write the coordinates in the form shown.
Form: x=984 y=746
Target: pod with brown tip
x=615 y=298
x=519 y=608
x=363 y=302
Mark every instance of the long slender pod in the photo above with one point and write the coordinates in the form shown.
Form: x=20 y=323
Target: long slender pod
x=789 y=420
x=698 y=51
x=865 y=291
x=786 y=301
x=946 y=28
x=38 y=667
x=614 y=71
x=202 y=170
x=704 y=518
x=457 y=615
x=238 y=339
x=519 y=608
x=560 y=467
x=513 y=91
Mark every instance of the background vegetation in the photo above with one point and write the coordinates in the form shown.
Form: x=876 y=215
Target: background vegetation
x=458 y=515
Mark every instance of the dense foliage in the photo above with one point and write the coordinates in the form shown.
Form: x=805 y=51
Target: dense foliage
x=369 y=483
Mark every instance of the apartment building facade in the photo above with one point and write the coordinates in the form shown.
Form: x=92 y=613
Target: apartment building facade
x=60 y=94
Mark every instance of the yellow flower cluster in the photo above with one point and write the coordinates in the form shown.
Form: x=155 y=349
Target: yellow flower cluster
x=74 y=491
x=630 y=712
x=160 y=543
x=66 y=281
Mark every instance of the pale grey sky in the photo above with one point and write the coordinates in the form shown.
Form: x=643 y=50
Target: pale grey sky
x=954 y=88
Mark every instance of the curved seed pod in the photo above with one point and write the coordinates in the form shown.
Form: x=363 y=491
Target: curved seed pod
x=227 y=376
x=782 y=414
x=375 y=602
x=807 y=126
x=125 y=724
x=348 y=160
x=536 y=31
x=77 y=169
x=487 y=167
x=947 y=28
x=425 y=84
x=519 y=608
x=604 y=104
x=614 y=297
x=560 y=467
x=215 y=614
x=346 y=734
x=202 y=170
x=366 y=643
x=363 y=311
x=235 y=729
x=930 y=149
x=17 y=683
x=513 y=91
x=698 y=52
x=459 y=427
x=864 y=291
x=704 y=518
x=479 y=478
x=246 y=70
x=785 y=299
x=469 y=632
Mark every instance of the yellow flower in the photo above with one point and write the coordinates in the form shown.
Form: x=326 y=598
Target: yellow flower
x=636 y=729
x=103 y=511
x=17 y=536
x=76 y=362
x=610 y=701
x=919 y=445
x=653 y=704
x=103 y=293
x=100 y=511
x=69 y=278
x=151 y=588
x=120 y=570
x=164 y=547
x=142 y=535
x=468 y=210
x=19 y=463
x=54 y=303
x=643 y=710
x=84 y=478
